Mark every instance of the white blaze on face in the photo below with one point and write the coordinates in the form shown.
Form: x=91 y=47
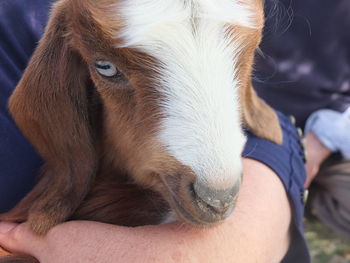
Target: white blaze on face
x=202 y=127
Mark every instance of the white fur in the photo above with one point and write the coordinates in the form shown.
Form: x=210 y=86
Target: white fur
x=197 y=77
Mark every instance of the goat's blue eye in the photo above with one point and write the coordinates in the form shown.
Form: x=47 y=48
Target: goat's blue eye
x=106 y=68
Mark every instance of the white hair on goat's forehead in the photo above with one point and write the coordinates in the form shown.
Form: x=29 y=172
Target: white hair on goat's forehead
x=197 y=79
x=142 y=16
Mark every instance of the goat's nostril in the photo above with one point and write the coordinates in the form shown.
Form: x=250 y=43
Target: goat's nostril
x=218 y=200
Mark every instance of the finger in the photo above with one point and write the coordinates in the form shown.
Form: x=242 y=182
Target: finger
x=17 y=238
x=307 y=183
x=6 y=227
x=5 y=241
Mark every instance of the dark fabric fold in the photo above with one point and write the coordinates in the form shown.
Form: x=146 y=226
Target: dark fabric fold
x=330 y=196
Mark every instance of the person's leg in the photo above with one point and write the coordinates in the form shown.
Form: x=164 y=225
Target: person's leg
x=330 y=195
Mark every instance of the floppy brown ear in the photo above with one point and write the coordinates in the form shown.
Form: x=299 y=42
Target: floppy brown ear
x=258 y=117
x=50 y=107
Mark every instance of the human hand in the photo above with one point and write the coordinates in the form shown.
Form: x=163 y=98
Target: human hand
x=68 y=242
x=332 y=129
x=316 y=154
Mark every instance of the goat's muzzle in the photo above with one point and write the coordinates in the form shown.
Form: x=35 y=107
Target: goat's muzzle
x=197 y=203
x=218 y=200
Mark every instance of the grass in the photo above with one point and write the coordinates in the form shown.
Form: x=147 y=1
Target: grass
x=325 y=245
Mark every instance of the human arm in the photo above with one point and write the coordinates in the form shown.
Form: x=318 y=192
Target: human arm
x=327 y=131
x=249 y=235
x=317 y=153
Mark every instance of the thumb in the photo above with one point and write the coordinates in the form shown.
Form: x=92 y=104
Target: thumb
x=6 y=227
x=18 y=238
x=307 y=183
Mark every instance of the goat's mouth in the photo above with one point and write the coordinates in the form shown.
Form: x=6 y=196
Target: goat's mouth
x=193 y=209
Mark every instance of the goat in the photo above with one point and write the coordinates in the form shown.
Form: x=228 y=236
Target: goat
x=138 y=108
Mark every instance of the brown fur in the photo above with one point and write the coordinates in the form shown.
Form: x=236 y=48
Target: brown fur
x=258 y=117
x=3 y=252
x=101 y=161
x=6 y=257
x=18 y=259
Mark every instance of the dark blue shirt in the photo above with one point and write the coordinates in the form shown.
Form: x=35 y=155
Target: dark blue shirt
x=21 y=25
x=305 y=64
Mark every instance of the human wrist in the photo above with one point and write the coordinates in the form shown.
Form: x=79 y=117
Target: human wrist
x=331 y=128
x=316 y=154
x=316 y=151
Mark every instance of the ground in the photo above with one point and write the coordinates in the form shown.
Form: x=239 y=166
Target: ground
x=325 y=245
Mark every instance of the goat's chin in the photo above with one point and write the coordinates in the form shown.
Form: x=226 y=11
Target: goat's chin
x=198 y=219
x=188 y=207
